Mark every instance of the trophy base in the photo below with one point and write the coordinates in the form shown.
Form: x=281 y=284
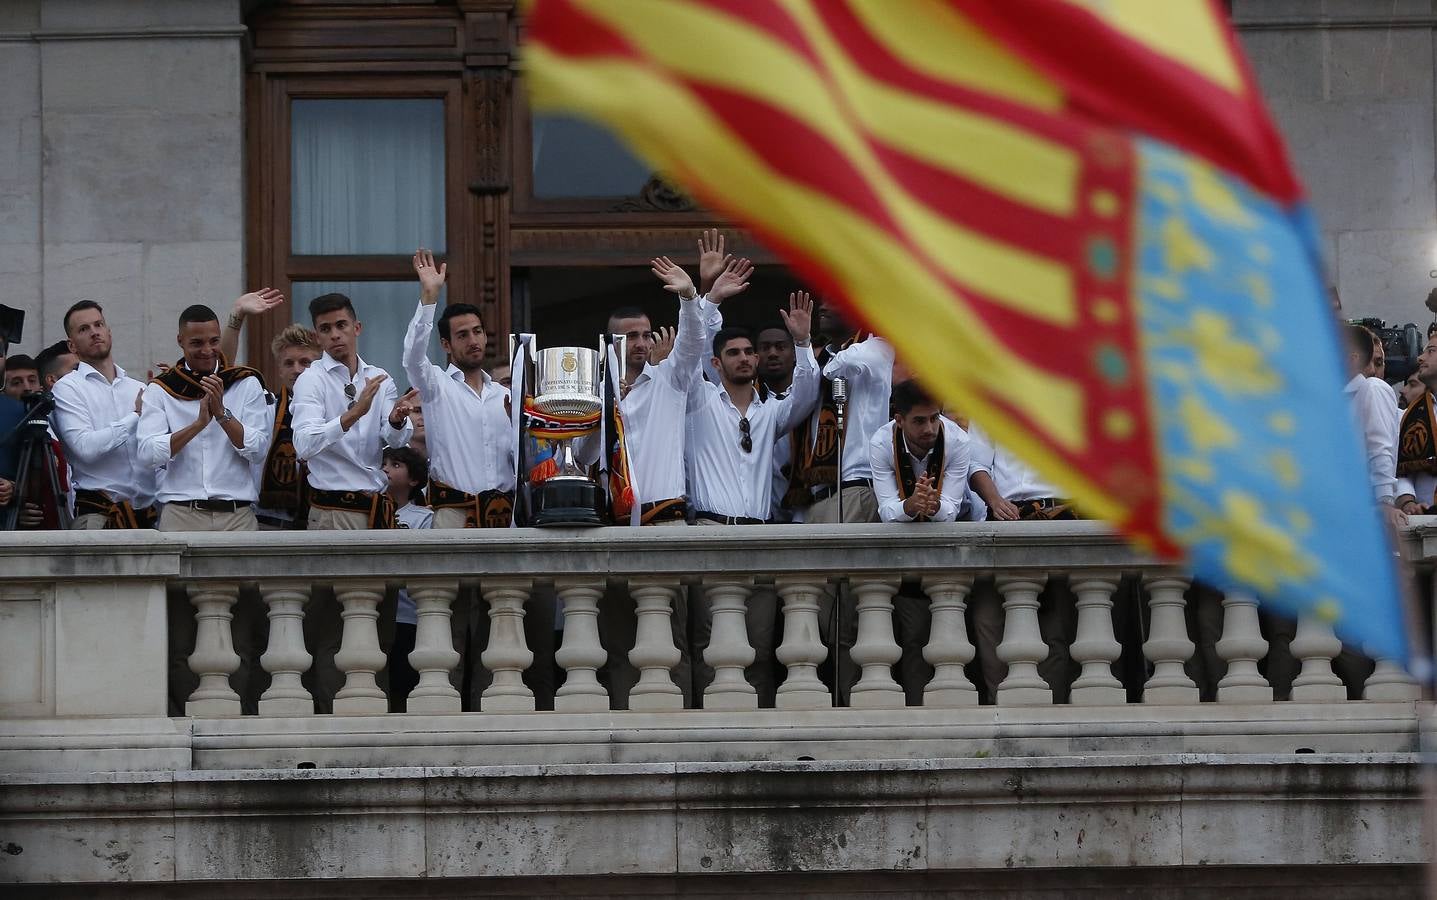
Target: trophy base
x=567 y=503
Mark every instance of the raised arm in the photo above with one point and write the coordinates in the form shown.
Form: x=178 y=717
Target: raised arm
x=252 y=304
x=872 y=356
x=803 y=395
x=422 y=373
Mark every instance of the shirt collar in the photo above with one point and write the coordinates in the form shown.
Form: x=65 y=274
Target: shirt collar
x=1352 y=385
x=330 y=363
x=458 y=375
x=86 y=370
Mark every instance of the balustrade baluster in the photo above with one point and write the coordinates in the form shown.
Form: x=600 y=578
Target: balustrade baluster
x=1389 y=681
x=508 y=654
x=1241 y=647
x=876 y=650
x=729 y=651
x=433 y=656
x=1168 y=646
x=802 y=650
x=1023 y=647
x=654 y=653
x=948 y=649
x=359 y=656
x=214 y=657
x=285 y=659
x=1096 y=649
x=1316 y=646
x=581 y=654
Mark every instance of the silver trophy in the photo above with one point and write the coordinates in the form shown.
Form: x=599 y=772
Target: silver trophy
x=568 y=382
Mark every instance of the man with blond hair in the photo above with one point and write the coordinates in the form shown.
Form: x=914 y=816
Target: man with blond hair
x=283 y=491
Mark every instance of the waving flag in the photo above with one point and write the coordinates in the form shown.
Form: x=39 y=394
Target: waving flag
x=1073 y=219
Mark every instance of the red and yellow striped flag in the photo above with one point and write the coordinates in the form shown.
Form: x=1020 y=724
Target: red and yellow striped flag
x=1072 y=218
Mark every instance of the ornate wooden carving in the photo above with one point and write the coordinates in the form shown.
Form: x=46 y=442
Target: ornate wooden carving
x=657 y=195
x=585 y=246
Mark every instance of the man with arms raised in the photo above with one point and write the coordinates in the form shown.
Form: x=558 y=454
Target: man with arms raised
x=97 y=410
x=734 y=426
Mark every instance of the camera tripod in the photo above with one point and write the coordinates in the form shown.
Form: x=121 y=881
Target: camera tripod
x=33 y=437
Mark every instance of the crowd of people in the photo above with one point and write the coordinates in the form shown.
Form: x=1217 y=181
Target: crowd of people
x=805 y=419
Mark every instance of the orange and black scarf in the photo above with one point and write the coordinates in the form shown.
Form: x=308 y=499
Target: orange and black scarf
x=486 y=509
x=376 y=504
x=182 y=384
x=903 y=466
x=283 y=484
x=1417 y=439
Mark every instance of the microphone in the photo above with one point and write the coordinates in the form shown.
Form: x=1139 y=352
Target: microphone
x=840 y=394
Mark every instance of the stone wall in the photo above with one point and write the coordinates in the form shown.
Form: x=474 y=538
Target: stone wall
x=1350 y=83
x=121 y=172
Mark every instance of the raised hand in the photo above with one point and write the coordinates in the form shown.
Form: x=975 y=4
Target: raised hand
x=799 y=316
x=256 y=302
x=214 y=400
x=431 y=277
x=366 y=396
x=663 y=345
x=712 y=258
x=731 y=281
x=403 y=407
x=675 y=279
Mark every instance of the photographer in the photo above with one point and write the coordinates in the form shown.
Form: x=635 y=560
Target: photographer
x=39 y=507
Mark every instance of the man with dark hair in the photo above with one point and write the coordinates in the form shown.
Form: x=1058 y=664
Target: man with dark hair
x=468 y=431
x=97 y=409
x=920 y=474
x=207 y=424
x=866 y=365
x=734 y=427
x=1375 y=408
x=344 y=412
x=55 y=362
x=22 y=375
x=1417 y=442
x=775 y=370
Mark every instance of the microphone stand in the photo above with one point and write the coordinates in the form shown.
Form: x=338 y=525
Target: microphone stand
x=840 y=402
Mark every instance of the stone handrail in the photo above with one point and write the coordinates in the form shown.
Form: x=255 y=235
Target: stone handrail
x=87 y=609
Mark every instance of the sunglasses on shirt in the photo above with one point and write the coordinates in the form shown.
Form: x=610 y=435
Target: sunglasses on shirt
x=745 y=440
x=349 y=395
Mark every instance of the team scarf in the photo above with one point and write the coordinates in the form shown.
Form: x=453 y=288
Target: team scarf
x=903 y=465
x=182 y=384
x=283 y=485
x=813 y=449
x=1417 y=438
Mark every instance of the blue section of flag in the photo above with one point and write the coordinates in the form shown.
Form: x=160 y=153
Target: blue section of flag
x=1262 y=471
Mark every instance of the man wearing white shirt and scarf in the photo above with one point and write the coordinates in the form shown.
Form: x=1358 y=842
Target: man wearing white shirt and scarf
x=919 y=461
x=97 y=410
x=734 y=426
x=468 y=430
x=207 y=424
x=345 y=412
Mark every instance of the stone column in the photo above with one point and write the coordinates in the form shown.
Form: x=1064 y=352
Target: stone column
x=1242 y=645
x=802 y=649
x=508 y=654
x=359 y=656
x=581 y=654
x=654 y=653
x=1389 y=681
x=434 y=656
x=949 y=649
x=1023 y=647
x=729 y=651
x=1316 y=646
x=214 y=658
x=1096 y=649
x=285 y=659
x=876 y=650
x=1168 y=646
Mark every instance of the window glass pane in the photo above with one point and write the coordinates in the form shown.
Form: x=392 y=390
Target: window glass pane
x=576 y=158
x=384 y=309
x=367 y=176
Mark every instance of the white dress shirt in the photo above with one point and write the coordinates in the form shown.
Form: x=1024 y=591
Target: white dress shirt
x=726 y=480
x=868 y=367
x=653 y=411
x=1015 y=480
x=885 y=478
x=1373 y=405
x=210 y=466
x=468 y=433
x=96 y=421
x=342 y=460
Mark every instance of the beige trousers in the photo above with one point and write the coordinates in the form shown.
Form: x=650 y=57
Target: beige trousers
x=860 y=504
x=337 y=519
x=175 y=517
x=89 y=522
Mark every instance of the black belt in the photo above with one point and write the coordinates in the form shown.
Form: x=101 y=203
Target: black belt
x=824 y=491
x=277 y=522
x=728 y=520
x=221 y=506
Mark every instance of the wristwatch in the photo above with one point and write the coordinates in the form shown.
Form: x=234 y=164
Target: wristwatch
x=225 y=417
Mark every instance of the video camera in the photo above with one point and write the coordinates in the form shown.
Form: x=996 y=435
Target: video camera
x=26 y=458
x=1401 y=344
